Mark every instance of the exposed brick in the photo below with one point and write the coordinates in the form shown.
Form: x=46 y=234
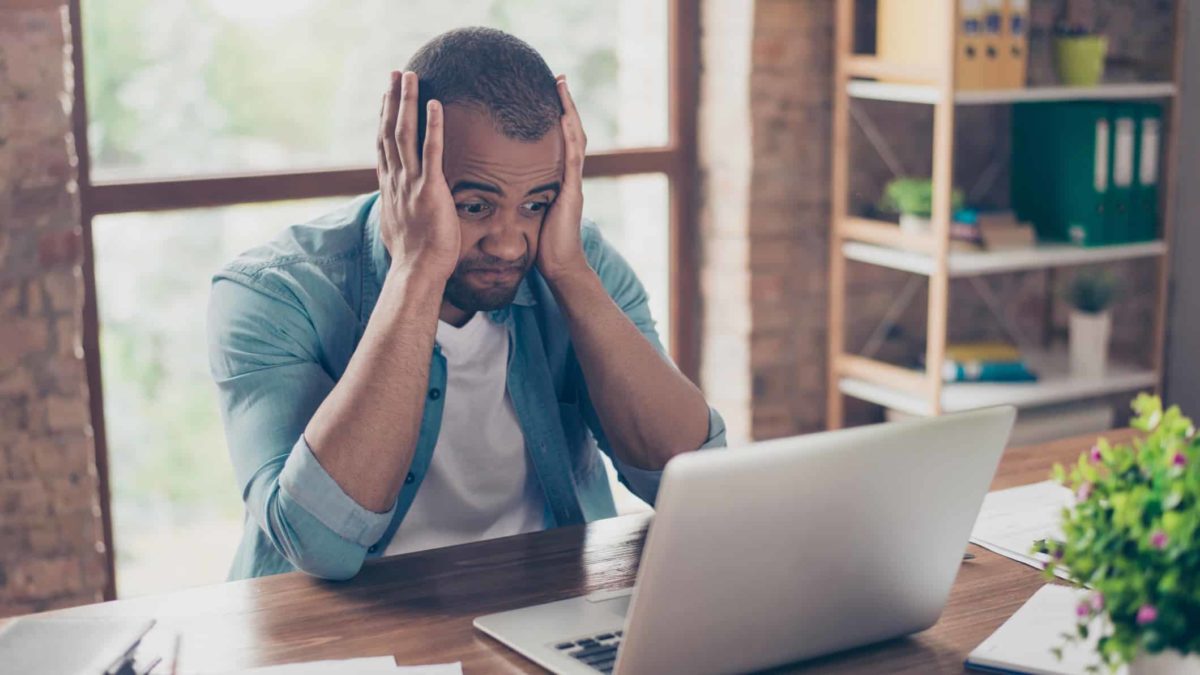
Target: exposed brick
x=48 y=525
x=59 y=248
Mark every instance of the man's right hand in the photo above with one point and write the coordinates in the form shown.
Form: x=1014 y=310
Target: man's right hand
x=418 y=219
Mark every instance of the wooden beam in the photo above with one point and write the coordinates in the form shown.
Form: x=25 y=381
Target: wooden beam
x=872 y=67
x=872 y=370
x=884 y=234
x=684 y=257
x=1167 y=203
x=938 y=311
x=226 y=190
x=91 y=321
x=843 y=46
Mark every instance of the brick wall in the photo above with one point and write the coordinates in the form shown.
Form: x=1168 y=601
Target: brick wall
x=767 y=86
x=51 y=553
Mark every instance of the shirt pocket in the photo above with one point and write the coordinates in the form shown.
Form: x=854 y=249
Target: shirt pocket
x=585 y=459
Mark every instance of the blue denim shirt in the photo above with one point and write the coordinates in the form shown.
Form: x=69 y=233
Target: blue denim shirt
x=284 y=320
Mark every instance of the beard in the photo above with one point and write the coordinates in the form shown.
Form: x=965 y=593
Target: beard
x=470 y=295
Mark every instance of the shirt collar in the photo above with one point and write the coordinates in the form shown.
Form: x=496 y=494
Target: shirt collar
x=381 y=260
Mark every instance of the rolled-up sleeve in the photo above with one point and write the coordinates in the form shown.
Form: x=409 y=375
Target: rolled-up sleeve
x=263 y=354
x=626 y=290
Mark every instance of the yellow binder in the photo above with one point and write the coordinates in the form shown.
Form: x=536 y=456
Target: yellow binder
x=993 y=44
x=1014 y=57
x=968 y=46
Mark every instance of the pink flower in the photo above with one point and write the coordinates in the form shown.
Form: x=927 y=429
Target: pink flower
x=1146 y=614
x=1095 y=454
x=1084 y=491
x=1097 y=601
x=1159 y=540
x=1083 y=609
x=1180 y=459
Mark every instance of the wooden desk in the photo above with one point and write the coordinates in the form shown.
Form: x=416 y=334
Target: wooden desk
x=419 y=607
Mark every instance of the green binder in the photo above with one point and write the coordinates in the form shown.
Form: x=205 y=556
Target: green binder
x=1033 y=177
x=1083 y=165
x=1143 y=222
x=1119 y=202
x=1061 y=169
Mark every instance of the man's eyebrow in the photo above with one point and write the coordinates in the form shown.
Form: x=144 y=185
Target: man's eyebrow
x=475 y=185
x=548 y=187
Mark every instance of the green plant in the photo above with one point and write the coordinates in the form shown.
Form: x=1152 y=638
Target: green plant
x=1132 y=537
x=1092 y=292
x=914 y=196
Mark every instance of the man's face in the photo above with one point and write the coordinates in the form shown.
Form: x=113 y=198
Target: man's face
x=502 y=189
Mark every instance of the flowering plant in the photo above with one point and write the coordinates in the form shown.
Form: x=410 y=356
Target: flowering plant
x=1131 y=537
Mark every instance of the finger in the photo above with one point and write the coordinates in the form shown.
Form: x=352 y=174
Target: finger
x=574 y=140
x=406 y=127
x=432 y=153
x=381 y=161
x=387 y=121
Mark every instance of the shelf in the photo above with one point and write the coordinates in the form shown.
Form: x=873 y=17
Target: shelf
x=919 y=93
x=1055 y=386
x=976 y=263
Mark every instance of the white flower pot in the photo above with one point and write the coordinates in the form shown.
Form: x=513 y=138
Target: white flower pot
x=915 y=224
x=1168 y=662
x=1089 y=343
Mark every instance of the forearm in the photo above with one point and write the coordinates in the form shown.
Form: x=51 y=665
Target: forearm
x=365 y=432
x=649 y=411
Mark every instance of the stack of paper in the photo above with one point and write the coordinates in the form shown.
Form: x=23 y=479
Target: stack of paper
x=1012 y=520
x=1026 y=642
x=379 y=665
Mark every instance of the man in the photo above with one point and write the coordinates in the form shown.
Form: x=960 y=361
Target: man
x=422 y=367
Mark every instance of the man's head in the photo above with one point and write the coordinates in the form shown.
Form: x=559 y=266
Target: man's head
x=503 y=156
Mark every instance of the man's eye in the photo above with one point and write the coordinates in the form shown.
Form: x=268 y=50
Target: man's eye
x=537 y=207
x=473 y=209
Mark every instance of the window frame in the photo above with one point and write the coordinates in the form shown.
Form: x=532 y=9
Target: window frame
x=676 y=159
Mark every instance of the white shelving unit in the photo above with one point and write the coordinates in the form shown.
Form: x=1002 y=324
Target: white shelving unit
x=976 y=263
x=931 y=255
x=918 y=93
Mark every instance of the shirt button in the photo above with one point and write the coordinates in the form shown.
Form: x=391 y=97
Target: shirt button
x=372 y=549
x=409 y=478
x=435 y=393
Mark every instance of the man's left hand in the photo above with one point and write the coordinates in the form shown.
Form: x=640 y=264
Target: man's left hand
x=560 y=250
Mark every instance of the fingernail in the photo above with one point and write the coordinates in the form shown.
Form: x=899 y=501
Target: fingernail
x=395 y=76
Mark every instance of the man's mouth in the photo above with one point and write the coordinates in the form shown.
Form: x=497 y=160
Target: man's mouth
x=495 y=276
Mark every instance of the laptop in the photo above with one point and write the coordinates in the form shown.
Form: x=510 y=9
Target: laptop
x=782 y=551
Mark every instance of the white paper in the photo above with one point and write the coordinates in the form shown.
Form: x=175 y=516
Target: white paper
x=1010 y=521
x=377 y=665
x=1024 y=643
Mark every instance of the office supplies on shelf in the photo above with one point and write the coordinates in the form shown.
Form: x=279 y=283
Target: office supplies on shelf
x=1012 y=520
x=1026 y=642
x=985 y=362
x=1001 y=230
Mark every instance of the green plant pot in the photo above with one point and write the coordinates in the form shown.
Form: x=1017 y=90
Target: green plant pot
x=1080 y=60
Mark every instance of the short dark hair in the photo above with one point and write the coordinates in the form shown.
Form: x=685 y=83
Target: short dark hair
x=494 y=70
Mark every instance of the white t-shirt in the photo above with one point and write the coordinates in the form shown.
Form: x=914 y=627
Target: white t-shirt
x=479 y=484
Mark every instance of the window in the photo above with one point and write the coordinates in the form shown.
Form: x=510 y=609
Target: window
x=213 y=124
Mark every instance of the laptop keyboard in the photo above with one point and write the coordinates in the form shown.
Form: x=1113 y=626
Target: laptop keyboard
x=598 y=651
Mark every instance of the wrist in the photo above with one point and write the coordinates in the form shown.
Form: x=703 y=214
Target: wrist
x=567 y=272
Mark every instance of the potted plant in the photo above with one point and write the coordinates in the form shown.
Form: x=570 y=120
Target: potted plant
x=912 y=198
x=1090 y=295
x=1079 y=51
x=1133 y=539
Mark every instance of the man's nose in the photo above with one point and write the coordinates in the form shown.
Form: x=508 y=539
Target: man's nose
x=504 y=241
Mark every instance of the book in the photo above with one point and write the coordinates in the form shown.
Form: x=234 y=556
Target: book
x=985 y=362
